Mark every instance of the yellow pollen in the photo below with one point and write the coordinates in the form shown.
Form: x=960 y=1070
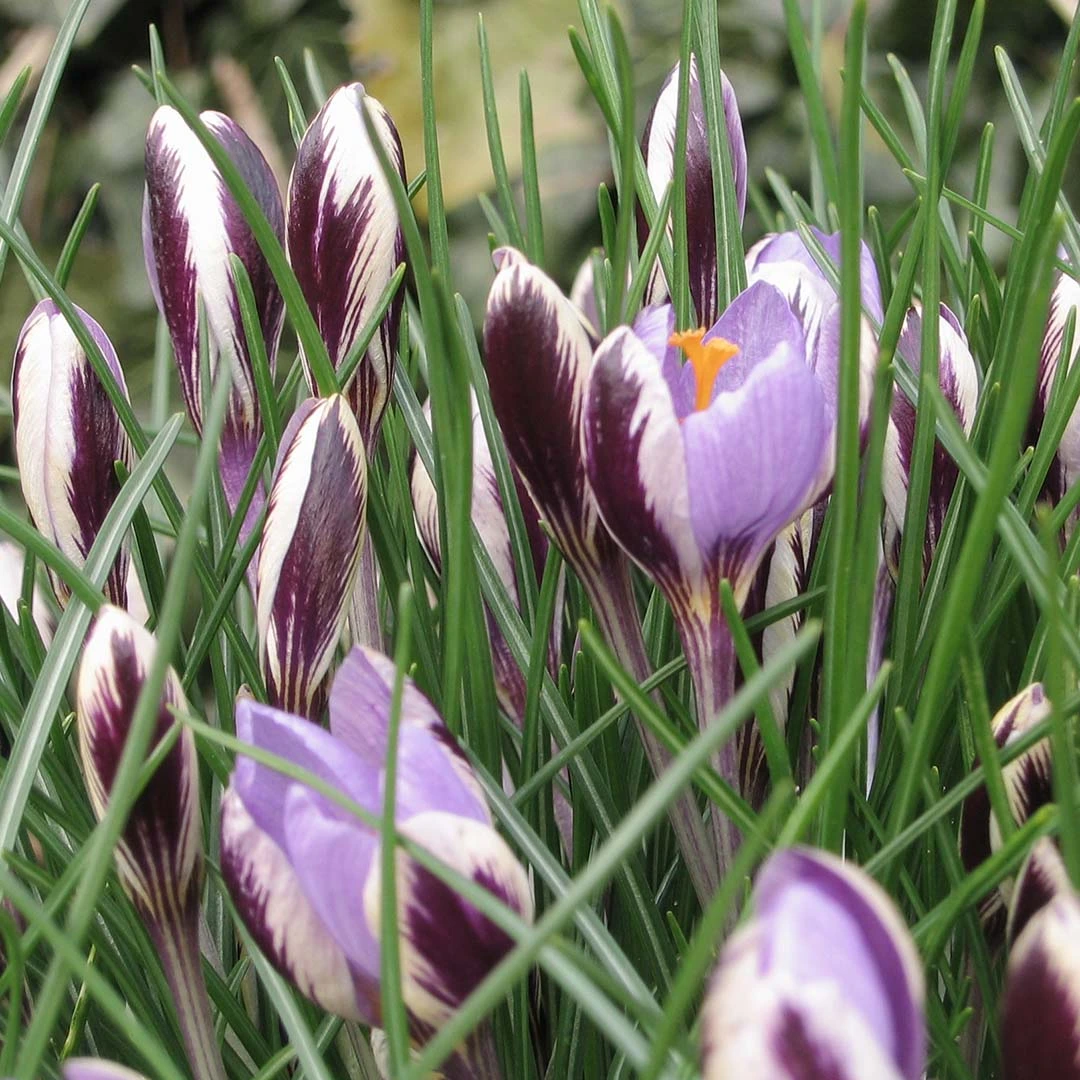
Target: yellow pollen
x=706 y=357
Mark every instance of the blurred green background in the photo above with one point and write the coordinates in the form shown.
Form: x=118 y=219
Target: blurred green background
x=223 y=55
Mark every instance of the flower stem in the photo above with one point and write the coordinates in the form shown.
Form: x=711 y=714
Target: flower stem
x=177 y=943
x=366 y=626
x=612 y=599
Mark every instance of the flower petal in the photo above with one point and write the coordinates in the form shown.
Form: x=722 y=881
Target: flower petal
x=310 y=551
x=636 y=463
x=345 y=241
x=1042 y=877
x=68 y=438
x=658 y=144
x=96 y=1069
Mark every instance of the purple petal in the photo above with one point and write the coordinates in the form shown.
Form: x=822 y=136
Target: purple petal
x=432 y=771
x=265 y=888
x=538 y=354
x=751 y=460
x=160 y=854
x=447 y=946
x=191 y=224
x=345 y=241
x=636 y=462
x=658 y=145
x=310 y=551
x=68 y=438
x=1041 y=1013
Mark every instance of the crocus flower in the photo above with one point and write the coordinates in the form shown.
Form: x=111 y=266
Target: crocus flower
x=310 y=550
x=1042 y=877
x=658 y=146
x=191 y=225
x=1028 y=784
x=68 y=438
x=305 y=873
x=1040 y=1016
x=958 y=379
x=696 y=467
x=345 y=241
x=160 y=854
x=538 y=351
x=822 y=983
x=1065 y=466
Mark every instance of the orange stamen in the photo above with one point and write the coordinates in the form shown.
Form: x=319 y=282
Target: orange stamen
x=706 y=357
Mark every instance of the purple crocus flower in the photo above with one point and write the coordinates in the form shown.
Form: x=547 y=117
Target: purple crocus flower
x=959 y=382
x=68 y=438
x=1028 y=784
x=160 y=854
x=538 y=350
x=345 y=241
x=822 y=983
x=310 y=551
x=305 y=873
x=696 y=467
x=1040 y=1016
x=191 y=225
x=658 y=146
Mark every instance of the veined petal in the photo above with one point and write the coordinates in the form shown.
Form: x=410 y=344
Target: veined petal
x=345 y=241
x=68 y=438
x=274 y=907
x=1041 y=1011
x=310 y=552
x=636 y=463
x=538 y=354
x=824 y=982
x=12 y=562
x=447 y=945
x=658 y=145
x=191 y=224
x=160 y=854
x=958 y=379
x=432 y=771
x=751 y=460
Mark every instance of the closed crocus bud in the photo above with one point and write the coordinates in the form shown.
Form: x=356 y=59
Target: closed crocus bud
x=1040 y=1016
x=658 y=146
x=160 y=853
x=489 y=517
x=959 y=382
x=12 y=564
x=68 y=438
x=1028 y=785
x=1042 y=877
x=310 y=550
x=96 y=1069
x=345 y=241
x=191 y=225
x=822 y=983
x=305 y=873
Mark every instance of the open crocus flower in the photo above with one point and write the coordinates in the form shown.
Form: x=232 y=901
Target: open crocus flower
x=959 y=382
x=698 y=464
x=822 y=983
x=68 y=438
x=191 y=225
x=658 y=146
x=310 y=550
x=305 y=873
x=1040 y=1016
x=345 y=241
x=1028 y=784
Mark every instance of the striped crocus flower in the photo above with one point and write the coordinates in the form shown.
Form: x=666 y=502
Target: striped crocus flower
x=701 y=447
x=305 y=872
x=310 y=550
x=1028 y=785
x=822 y=983
x=191 y=225
x=345 y=241
x=959 y=381
x=538 y=350
x=658 y=146
x=68 y=438
x=160 y=854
